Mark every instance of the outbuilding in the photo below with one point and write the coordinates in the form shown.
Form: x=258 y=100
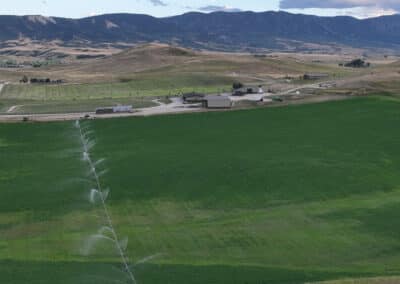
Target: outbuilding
x=193 y=97
x=118 y=109
x=214 y=101
x=104 y=110
x=115 y=109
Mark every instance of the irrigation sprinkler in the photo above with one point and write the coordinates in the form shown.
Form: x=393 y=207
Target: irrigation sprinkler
x=98 y=195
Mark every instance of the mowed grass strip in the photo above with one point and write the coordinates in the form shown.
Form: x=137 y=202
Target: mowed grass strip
x=284 y=195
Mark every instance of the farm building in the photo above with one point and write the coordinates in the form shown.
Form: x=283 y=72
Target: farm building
x=104 y=110
x=214 y=101
x=116 y=109
x=193 y=97
x=315 y=76
x=248 y=90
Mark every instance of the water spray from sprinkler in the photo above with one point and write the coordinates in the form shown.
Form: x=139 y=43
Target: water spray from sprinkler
x=99 y=196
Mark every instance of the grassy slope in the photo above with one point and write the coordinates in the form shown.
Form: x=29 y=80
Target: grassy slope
x=282 y=195
x=152 y=70
x=204 y=75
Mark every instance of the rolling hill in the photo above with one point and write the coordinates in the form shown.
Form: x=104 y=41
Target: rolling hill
x=226 y=31
x=157 y=61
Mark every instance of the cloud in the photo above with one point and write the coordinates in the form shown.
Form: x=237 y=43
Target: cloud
x=355 y=8
x=368 y=12
x=214 y=8
x=340 y=4
x=158 y=3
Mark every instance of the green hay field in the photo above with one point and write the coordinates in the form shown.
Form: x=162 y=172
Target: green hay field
x=280 y=195
x=153 y=84
x=40 y=107
x=138 y=91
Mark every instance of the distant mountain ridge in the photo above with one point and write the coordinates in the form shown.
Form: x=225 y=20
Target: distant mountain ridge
x=219 y=30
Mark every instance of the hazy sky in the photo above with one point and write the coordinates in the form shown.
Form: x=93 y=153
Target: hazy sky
x=161 y=8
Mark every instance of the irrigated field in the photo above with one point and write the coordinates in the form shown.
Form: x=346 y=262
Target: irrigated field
x=280 y=195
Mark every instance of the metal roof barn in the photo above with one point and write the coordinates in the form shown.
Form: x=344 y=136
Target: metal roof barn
x=218 y=102
x=122 y=109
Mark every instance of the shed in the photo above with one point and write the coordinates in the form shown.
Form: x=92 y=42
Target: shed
x=214 y=101
x=104 y=110
x=193 y=97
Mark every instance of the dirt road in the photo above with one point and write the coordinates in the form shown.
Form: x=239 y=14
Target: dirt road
x=13 y=108
x=176 y=106
x=308 y=86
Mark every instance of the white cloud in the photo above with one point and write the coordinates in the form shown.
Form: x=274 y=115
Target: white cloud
x=369 y=12
x=356 y=8
x=214 y=8
x=339 y=4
